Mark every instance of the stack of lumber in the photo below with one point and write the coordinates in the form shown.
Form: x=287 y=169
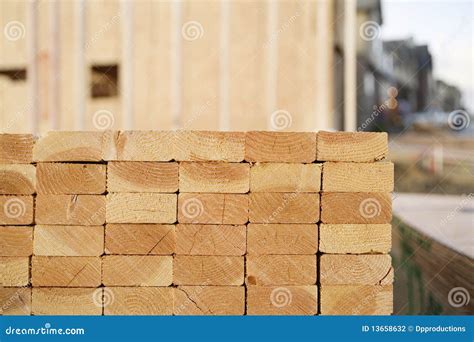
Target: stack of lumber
x=195 y=223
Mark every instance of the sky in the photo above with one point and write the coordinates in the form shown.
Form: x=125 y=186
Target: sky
x=447 y=27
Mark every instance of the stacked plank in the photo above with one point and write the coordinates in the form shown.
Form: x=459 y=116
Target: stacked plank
x=195 y=223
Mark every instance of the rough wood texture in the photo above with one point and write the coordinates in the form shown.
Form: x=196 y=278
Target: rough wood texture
x=352 y=147
x=209 y=146
x=208 y=270
x=16 y=210
x=86 y=210
x=15 y=301
x=16 y=241
x=16 y=148
x=339 y=207
x=213 y=208
x=146 y=239
x=64 y=178
x=142 y=177
x=147 y=270
x=210 y=239
x=284 y=208
x=277 y=300
x=65 y=301
x=14 y=271
x=356 y=300
x=281 y=270
x=214 y=177
x=283 y=147
x=141 y=208
x=277 y=177
x=68 y=240
x=138 y=301
x=374 y=269
x=282 y=238
x=355 y=238
x=209 y=300
x=17 y=179
x=66 y=271
x=143 y=146
x=358 y=177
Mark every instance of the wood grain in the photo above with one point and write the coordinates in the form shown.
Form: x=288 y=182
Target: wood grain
x=17 y=179
x=16 y=210
x=351 y=147
x=16 y=148
x=280 y=177
x=15 y=301
x=16 y=241
x=283 y=147
x=209 y=300
x=208 y=270
x=284 y=208
x=65 y=301
x=355 y=238
x=210 y=239
x=137 y=270
x=282 y=238
x=143 y=146
x=281 y=270
x=14 y=271
x=86 y=210
x=214 y=177
x=139 y=301
x=146 y=239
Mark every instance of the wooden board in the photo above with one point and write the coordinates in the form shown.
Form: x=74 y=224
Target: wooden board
x=283 y=147
x=142 y=177
x=141 y=208
x=209 y=300
x=208 y=270
x=147 y=239
x=213 y=208
x=65 y=301
x=68 y=240
x=143 y=146
x=14 y=271
x=356 y=300
x=196 y=239
x=16 y=148
x=138 y=301
x=284 y=208
x=16 y=241
x=279 y=300
x=358 y=177
x=375 y=269
x=17 y=179
x=352 y=147
x=16 y=210
x=137 y=270
x=15 y=301
x=361 y=207
x=281 y=269
x=86 y=210
x=355 y=238
x=65 y=271
x=279 y=177
x=214 y=177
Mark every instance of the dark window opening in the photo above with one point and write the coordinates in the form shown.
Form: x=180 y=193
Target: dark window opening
x=104 y=80
x=14 y=74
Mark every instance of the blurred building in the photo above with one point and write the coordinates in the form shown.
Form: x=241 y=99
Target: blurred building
x=448 y=97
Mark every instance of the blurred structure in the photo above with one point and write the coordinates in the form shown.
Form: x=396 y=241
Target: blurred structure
x=448 y=97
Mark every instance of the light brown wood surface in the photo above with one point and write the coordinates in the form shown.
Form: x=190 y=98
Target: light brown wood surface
x=214 y=177
x=281 y=269
x=282 y=238
x=355 y=238
x=209 y=300
x=282 y=300
x=16 y=210
x=68 y=240
x=142 y=146
x=16 y=241
x=65 y=301
x=14 y=271
x=85 y=210
x=213 y=208
x=208 y=270
x=284 y=208
x=360 y=207
x=138 y=301
x=282 y=177
x=15 y=301
x=68 y=178
x=17 y=179
x=137 y=270
x=351 y=146
x=16 y=148
x=146 y=239
x=141 y=208
x=283 y=147
x=142 y=177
